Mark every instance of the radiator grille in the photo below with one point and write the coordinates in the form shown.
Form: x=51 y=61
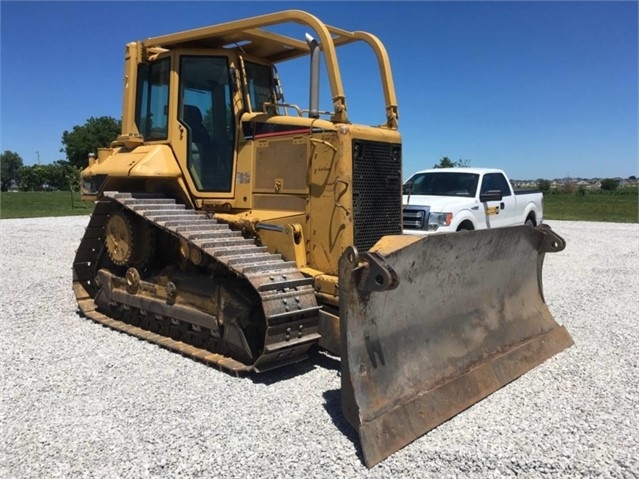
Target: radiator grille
x=416 y=217
x=377 y=196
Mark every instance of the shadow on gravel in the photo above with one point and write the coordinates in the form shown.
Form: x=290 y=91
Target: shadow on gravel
x=333 y=407
x=315 y=359
x=324 y=360
x=332 y=397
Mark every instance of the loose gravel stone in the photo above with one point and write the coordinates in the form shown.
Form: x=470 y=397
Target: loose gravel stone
x=80 y=400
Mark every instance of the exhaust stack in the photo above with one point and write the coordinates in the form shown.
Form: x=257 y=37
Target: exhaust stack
x=315 y=77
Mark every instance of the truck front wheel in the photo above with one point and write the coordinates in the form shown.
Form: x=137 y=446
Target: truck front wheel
x=465 y=226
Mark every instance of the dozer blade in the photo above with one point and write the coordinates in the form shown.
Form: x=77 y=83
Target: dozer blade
x=431 y=325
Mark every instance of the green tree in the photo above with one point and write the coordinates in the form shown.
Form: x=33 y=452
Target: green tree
x=61 y=175
x=32 y=178
x=82 y=140
x=568 y=187
x=10 y=164
x=446 y=162
x=70 y=176
x=543 y=185
x=609 y=184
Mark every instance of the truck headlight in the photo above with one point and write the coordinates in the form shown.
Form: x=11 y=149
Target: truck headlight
x=435 y=220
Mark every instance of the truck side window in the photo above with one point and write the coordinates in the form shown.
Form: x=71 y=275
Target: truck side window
x=503 y=184
x=495 y=181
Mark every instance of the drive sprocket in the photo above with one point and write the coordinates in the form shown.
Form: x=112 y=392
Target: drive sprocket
x=119 y=238
x=228 y=302
x=129 y=241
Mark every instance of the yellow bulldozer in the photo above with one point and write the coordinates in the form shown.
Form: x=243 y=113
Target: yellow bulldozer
x=242 y=230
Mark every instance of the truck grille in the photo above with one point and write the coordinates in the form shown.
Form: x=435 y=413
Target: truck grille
x=377 y=196
x=415 y=217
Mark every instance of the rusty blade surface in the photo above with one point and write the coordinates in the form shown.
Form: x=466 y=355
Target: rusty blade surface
x=431 y=325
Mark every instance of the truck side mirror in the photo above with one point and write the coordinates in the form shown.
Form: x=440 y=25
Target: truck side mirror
x=408 y=188
x=490 y=195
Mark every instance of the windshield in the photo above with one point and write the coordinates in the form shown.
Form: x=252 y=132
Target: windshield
x=442 y=184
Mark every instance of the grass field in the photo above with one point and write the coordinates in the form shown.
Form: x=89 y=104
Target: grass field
x=33 y=204
x=620 y=207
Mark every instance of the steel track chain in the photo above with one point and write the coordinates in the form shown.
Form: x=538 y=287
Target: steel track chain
x=288 y=297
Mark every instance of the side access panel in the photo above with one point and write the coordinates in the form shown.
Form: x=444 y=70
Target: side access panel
x=431 y=325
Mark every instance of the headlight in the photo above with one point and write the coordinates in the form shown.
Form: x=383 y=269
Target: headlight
x=87 y=188
x=92 y=184
x=435 y=220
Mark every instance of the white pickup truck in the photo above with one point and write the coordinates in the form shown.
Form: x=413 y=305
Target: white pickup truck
x=453 y=199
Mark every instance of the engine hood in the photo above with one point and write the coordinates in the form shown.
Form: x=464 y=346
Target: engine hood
x=438 y=204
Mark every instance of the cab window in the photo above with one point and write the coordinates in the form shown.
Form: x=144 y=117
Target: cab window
x=495 y=181
x=151 y=109
x=260 y=85
x=206 y=110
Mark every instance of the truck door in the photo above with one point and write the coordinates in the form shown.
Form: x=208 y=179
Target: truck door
x=498 y=213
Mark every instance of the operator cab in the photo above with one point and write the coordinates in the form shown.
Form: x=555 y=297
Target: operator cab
x=205 y=110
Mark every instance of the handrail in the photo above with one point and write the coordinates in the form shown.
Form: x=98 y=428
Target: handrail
x=232 y=32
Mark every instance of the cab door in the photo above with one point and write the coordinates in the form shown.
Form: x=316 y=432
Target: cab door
x=499 y=212
x=206 y=118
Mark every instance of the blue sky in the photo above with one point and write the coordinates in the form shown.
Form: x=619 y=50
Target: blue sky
x=541 y=89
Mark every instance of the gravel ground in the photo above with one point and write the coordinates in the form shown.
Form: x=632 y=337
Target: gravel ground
x=80 y=400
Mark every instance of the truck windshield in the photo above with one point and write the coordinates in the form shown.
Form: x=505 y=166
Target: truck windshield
x=442 y=184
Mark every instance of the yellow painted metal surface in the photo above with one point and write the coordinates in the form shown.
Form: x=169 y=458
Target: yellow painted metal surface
x=427 y=323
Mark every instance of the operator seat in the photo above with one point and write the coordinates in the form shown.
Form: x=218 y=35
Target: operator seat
x=193 y=118
x=200 y=144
